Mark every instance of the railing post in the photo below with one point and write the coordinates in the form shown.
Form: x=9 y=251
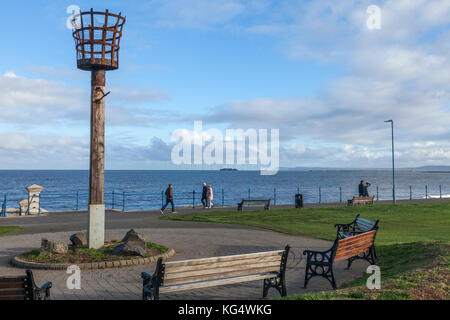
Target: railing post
x=123 y=201
x=274 y=196
x=440 y=191
x=77 y=207
x=4 y=207
x=223 y=198
x=193 y=199
x=320 y=195
x=378 y=198
x=248 y=193
x=340 y=194
x=39 y=205
x=113 y=200
x=410 y=192
x=426 y=191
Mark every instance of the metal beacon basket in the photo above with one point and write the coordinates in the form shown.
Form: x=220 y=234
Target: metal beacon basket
x=97 y=39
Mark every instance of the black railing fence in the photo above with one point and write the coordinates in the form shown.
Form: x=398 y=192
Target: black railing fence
x=128 y=200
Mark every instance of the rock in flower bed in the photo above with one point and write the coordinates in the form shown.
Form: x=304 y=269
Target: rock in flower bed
x=85 y=255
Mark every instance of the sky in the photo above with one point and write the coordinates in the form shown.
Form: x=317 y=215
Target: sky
x=312 y=69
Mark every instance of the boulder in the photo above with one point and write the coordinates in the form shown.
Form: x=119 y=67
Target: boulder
x=133 y=235
x=79 y=239
x=131 y=248
x=48 y=246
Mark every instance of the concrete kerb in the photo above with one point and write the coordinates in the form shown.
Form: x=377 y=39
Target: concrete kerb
x=21 y=263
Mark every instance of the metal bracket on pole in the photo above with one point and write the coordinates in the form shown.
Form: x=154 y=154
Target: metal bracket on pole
x=104 y=95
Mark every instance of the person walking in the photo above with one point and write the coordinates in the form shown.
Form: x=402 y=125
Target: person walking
x=204 y=193
x=169 y=199
x=209 y=196
x=361 y=188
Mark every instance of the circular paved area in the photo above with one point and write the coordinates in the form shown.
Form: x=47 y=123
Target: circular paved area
x=190 y=240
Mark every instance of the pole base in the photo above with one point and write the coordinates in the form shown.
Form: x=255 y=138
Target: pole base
x=96 y=226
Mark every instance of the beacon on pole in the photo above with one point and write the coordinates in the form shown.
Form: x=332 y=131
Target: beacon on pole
x=97 y=42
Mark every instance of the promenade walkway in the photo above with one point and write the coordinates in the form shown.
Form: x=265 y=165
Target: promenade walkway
x=190 y=240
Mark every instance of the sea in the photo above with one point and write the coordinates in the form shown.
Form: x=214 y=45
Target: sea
x=142 y=190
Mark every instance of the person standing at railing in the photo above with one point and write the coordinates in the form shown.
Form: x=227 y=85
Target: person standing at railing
x=366 y=189
x=169 y=199
x=204 y=193
x=361 y=188
x=209 y=196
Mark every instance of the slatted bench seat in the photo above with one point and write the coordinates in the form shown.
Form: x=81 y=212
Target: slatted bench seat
x=320 y=263
x=23 y=288
x=360 y=200
x=253 y=202
x=357 y=226
x=193 y=274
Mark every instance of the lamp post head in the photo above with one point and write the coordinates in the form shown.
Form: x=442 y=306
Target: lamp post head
x=390 y=121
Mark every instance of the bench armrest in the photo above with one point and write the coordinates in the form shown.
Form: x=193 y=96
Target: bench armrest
x=146 y=276
x=43 y=292
x=342 y=227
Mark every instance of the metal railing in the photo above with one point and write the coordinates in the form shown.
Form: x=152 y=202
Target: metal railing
x=122 y=200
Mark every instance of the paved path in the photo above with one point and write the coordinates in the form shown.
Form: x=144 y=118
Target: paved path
x=190 y=240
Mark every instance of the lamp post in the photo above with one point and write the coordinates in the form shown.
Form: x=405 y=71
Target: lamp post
x=393 y=166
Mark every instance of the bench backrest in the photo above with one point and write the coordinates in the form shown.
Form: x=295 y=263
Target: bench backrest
x=255 y=202
x=365 y=225
x=13 y=288
x=188 y=271
x=353 y=246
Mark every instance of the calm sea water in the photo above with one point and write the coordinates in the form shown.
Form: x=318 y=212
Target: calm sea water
x=142 y=189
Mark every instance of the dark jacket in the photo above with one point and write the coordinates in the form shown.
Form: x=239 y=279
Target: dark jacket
x=361 y=188
x=204 y=191
x=169 y=193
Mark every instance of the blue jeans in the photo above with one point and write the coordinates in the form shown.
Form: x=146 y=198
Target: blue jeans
x=167 y=202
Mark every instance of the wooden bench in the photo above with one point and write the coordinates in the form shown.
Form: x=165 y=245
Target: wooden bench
x=320 y=263
x=357 y=226
x=23 y=288
x=185 y=275
x=253 y=202
x=360 y=200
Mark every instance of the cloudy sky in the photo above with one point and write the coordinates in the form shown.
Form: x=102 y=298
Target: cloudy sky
x=311 y=69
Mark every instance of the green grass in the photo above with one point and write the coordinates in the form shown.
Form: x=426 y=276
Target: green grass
x=400 y=223
x=413 y=244
x=9 y=229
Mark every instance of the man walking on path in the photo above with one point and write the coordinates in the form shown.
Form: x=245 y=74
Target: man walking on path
x=361 y=188
x=169 y=199
x=204 y=192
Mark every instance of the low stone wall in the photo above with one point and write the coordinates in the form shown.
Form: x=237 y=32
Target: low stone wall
x=21 y=263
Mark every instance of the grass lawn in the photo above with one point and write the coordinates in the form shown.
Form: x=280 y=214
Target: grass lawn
x=413 y=244
x=9 y=229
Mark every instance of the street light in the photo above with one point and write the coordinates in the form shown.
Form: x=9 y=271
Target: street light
x=393 y=167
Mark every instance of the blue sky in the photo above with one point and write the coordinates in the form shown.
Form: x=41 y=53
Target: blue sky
x=309 y=68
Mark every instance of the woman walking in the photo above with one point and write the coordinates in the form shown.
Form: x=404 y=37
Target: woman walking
x=209 y=197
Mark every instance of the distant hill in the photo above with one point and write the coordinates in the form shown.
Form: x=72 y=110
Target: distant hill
x=423 y=168
x=432 y=168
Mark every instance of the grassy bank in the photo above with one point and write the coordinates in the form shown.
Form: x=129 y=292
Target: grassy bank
x=9 y=229
x=413 y=244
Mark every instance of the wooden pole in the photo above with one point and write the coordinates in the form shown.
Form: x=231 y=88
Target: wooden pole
x=96 y=223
